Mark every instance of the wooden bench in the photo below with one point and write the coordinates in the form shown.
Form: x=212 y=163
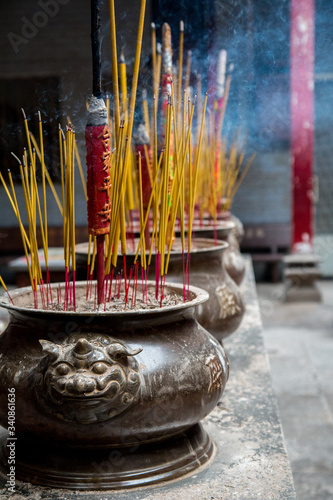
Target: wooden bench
x=267 y=243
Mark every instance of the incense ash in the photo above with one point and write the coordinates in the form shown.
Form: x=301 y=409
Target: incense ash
x=140 y=297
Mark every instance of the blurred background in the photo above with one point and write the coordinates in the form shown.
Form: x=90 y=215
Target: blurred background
x=45 y=60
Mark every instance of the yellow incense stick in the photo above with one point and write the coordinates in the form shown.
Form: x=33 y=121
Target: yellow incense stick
x=62 y=185
x=44 y=239
x=107 y=104
x=178 y=185
x=153 y=51
x=35 y=265
x=25 y=240
x=3 y=284
x=123 y=86
x=143 y=249
x=73 y=204
x=114 y=63
x=27 y=134
x=47 y=175
x=89 y=249
x=197 y=160
x=93 y=256
x=41 y=142
x=158 y=73
x=130 y=120
x=180 y=66
x=79 y=164
x=152 y=196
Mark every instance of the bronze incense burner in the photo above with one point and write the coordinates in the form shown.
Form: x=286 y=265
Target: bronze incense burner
x=225 y=230
x=109 y=399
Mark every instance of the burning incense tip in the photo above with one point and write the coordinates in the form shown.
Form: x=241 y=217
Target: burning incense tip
x=122 y=57
x=166 y=58
x=97 y=112
x=181 y=26
x=220 y=76
x=24 y=115
x=159 y=48
x=153 y=26
x=166 y=37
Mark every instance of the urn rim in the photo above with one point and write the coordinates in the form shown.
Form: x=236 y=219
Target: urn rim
x=81 y=249
x=199 y=296
x=226 y=225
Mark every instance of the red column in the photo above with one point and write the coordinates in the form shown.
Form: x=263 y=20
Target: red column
x=302 y=120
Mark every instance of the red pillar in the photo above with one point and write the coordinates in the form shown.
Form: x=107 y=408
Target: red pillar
x=302 y=120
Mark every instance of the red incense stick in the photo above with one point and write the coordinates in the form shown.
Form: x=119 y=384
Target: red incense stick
x=143 y=152
x=98 y=183
x=98 y=156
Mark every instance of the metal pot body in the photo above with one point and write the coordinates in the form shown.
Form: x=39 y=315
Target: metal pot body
x=109 y=379
x=233 y=260
x=222 y=314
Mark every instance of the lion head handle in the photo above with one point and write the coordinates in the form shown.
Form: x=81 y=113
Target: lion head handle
x=90 y=380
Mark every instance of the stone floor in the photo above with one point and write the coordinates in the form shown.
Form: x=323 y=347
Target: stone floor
x=299 y=342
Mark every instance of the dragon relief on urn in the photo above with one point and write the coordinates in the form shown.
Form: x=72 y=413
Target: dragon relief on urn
x=87 y=379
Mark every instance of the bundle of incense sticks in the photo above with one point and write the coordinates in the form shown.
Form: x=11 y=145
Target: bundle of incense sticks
x=36 y=212
x=223 y=169
x=173 y=168
x=179 y=169
x=159 y=173
x=221 y=172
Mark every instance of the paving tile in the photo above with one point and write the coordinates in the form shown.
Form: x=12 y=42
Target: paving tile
x=292 y=375
x=276 y=312
x=329 y=399
x=285 y=341
x=313 y=486
x=299 y=343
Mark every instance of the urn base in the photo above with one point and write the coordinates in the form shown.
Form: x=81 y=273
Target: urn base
x=111 y=468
